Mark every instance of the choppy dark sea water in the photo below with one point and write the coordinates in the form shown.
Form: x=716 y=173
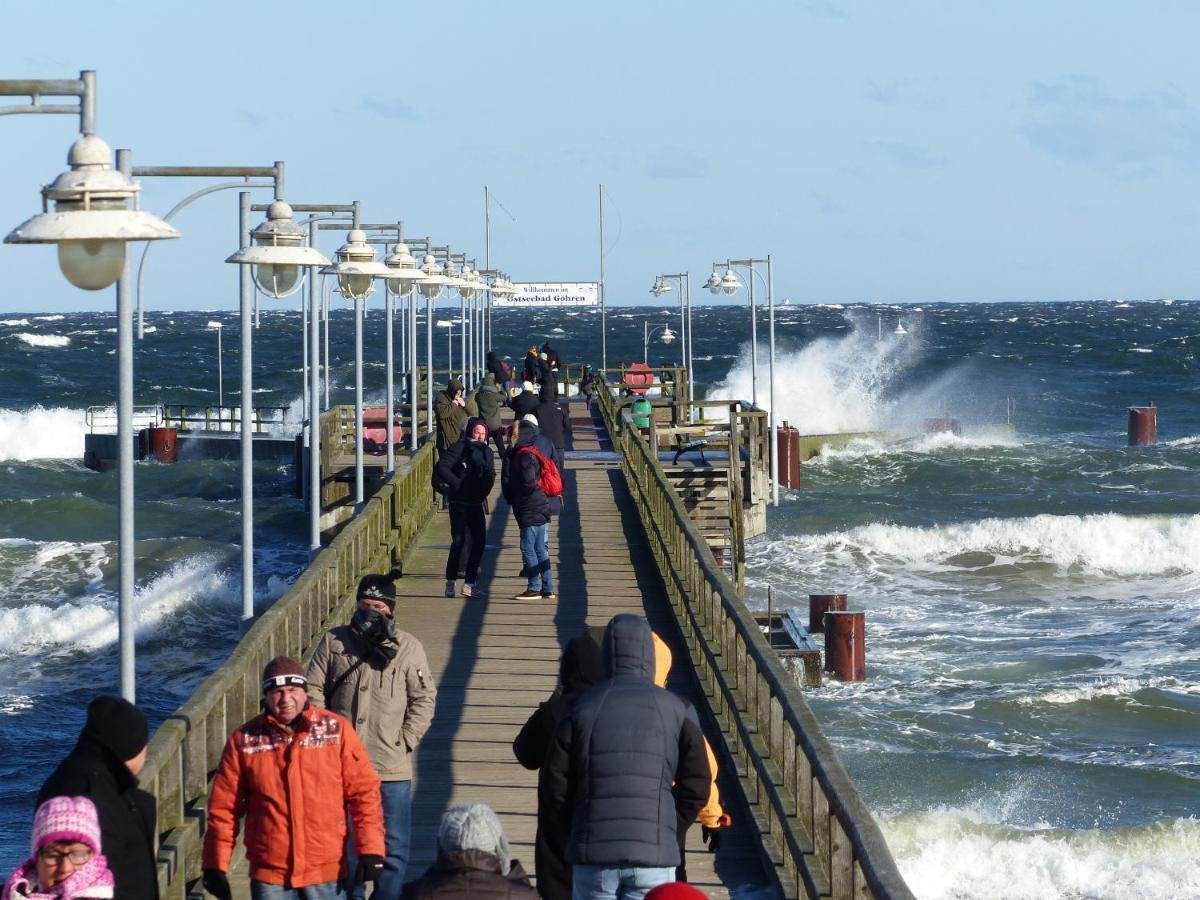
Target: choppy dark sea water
x=1029 y=726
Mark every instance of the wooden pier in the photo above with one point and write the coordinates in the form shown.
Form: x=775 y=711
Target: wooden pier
x=625 y=542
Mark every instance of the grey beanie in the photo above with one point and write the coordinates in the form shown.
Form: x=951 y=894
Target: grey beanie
x=473 y=826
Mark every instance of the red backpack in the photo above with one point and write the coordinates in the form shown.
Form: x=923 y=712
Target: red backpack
x=550 y=480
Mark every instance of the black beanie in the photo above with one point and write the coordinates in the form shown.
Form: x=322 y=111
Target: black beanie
x=118 y=725
x=378 y=587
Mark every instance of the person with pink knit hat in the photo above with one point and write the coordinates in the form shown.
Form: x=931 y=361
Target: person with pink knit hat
x=65 y=859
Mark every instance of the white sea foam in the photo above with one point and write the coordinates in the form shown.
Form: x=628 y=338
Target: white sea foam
x=13 y=323
x=1111 y=686
x=1108 y=543
x=90 y=622
x=966 y=853
x=41 y=433
x=54 y=318
x=44 y=340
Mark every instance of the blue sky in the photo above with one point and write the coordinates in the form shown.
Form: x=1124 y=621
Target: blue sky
x=909 y=152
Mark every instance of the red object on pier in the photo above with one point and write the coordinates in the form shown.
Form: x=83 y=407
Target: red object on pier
x=638 y=378
x=1143 y=425
x=818 y=605
x=941 y=424
x=846 y=645
x=375 y=429
x=789 y=456
x=163 y=444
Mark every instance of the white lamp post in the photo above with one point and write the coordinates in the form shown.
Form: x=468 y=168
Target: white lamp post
x=356 y=270
x=95 y=216
x=216 y=326
x=430 y=288
x=404 y=275
x=685 y=322
x=667 y=336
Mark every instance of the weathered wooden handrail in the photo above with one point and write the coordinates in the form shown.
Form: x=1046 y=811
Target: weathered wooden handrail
x=814 y=825
x=186 y=748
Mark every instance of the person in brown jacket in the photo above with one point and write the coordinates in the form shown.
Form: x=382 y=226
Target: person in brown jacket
x=378 y=677
x=472 y=861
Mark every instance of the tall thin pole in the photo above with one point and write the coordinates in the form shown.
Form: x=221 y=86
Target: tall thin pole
x=603 y=328
x=753 y=342
x=246 y=311
x=308 y=299
x=687 y=283
x=487 y=261
x=220 y=381
x=771 y=379
x=429 y=365
x=462 y=337
x=359 y=488
x=325 y=369
x=125 y=545
x=414 y=384
x=314 y=413
x=391 y=452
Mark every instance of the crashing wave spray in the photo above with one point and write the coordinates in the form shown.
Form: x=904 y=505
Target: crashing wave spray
x=832 y=385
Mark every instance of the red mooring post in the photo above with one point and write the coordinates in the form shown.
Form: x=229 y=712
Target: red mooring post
x=788 y=447
x=164 y=444
x=1143 y=425
x=846 y=645
x=818 y=605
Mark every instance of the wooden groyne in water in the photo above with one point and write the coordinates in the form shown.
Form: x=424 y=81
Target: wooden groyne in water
x=626 y=541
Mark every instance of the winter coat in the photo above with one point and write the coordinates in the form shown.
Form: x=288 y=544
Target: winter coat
x=469 y=874
x=391 y=708
x=490 y=400
x=530 y=369
x=127 y=813
x=627 y=767
x=552 y=418
x=496 y=367
x=524 y=403
x=450 y=418
x=469 y=469
x=582 y=666
x=519 y=481
x=551 y=356
x=293 y=786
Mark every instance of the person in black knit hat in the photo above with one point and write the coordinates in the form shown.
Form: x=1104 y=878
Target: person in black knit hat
x=103 y=767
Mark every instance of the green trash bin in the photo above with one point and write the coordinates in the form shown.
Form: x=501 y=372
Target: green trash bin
x=641 y=410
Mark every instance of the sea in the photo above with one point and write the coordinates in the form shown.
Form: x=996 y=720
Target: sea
x=1030 y=722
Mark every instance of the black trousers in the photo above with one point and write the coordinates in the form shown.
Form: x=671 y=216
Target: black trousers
x=467 y=533
x=498 y=438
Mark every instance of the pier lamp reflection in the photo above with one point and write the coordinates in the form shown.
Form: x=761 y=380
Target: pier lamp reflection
x=278 y=253
x=93 y=219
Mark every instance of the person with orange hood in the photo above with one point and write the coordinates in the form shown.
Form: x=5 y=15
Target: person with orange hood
x=291 y=772
x=712 y=817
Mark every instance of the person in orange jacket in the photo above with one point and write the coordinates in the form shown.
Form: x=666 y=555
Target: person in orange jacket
x=712 y=817
x=291 y=772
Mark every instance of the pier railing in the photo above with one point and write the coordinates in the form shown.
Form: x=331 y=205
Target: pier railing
x=186 y=748
x=816 y=831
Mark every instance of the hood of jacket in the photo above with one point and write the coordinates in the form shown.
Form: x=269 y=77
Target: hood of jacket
x=526 y=433
x=489 y=382
x=582 y=662
x=629 y=647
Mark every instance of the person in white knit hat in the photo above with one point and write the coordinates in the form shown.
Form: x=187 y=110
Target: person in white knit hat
x=473 y=860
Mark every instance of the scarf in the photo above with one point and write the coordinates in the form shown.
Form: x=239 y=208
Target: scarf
x=91 y=880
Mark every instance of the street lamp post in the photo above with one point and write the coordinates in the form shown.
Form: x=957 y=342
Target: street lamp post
x=729 y=283
x=667 y=336
x=683 y=279
x=95 y=217
x=216 y=326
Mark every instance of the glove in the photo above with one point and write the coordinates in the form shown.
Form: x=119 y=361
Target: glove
x=370 y=867
x=712 y=837
x=217 y=883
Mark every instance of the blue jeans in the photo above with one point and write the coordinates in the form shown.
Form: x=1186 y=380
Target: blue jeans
x=329 y=890
x=397 y=827
x=535 y=553
x=611 y=883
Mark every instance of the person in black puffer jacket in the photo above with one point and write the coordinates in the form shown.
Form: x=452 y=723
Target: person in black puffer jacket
x=582 y=665
x=627 y=769
x=103 y=767
x=472 y=861
x=468 y=468
x=519 y=480
x=553 y=420
x=526 y=401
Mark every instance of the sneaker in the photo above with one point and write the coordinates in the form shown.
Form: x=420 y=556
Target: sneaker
x=474 y=592
x=549 y=595
x=450 y=589
x=529 y=595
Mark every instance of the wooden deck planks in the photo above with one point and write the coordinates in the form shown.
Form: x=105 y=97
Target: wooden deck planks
x=495 y=660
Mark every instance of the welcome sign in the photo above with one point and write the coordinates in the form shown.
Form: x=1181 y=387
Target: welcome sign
x=552 y=293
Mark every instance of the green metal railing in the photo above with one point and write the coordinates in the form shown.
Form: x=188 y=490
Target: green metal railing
x=186 y=748
x=816 y=831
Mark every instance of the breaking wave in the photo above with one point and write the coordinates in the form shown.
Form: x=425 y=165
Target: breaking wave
x=54 y=341
x=41 y=433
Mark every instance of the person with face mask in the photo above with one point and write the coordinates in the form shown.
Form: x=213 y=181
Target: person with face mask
x=378 y=677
